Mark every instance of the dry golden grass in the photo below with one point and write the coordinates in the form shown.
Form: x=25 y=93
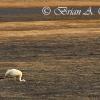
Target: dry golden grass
x=59 y=59
x=15 y=4
x=39 y=29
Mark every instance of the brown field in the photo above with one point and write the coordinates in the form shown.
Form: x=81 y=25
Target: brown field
x=60 y=60
x=40 y=3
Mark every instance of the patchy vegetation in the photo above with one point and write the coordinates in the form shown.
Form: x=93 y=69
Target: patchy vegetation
x=59 y=59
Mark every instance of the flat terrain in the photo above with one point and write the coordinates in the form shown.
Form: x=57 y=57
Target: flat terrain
x=60 y=60
x=41 y=3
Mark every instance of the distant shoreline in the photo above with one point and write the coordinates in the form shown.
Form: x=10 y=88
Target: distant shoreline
x=36 y=14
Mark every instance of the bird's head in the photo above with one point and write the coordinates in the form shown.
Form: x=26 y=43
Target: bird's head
x=23 y=80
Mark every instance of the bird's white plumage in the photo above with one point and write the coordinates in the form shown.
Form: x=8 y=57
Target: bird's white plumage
x=14 y=73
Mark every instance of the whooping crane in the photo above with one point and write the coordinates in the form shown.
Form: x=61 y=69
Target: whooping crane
x=14 y=73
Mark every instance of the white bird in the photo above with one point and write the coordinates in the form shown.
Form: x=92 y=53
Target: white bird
x=14 y=73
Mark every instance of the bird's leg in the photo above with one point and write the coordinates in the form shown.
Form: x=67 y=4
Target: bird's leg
x=15 y=78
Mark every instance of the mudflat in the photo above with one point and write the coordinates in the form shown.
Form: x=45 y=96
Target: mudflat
x=59 y=60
